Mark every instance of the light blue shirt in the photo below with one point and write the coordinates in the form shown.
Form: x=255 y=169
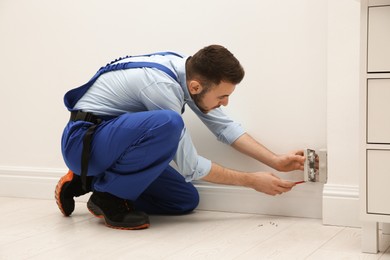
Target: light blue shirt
x=143 y=89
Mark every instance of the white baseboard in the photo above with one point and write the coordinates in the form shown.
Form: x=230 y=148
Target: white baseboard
x=303 y=201
x=334 y=203
x=341 y=205
x=29 y=182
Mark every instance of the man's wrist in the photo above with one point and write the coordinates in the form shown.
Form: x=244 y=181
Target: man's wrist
x=246 y=180
x=274 y=161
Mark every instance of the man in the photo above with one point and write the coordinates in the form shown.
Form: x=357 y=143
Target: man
x=126 y=128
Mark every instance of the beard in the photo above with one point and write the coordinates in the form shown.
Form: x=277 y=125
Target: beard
x=198 y=100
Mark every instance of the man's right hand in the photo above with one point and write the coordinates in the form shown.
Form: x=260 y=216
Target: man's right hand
x=264 y=182
x=268 y=183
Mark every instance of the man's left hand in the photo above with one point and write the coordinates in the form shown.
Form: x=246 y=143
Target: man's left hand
x=290 y=162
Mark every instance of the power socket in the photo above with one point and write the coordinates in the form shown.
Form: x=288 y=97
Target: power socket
x=310 y=173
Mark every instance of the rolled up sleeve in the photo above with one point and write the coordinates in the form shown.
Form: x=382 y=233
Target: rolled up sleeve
x=223 y=127
x=191 y=165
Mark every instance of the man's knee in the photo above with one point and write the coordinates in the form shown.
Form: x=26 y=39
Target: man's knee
x=170 y=123
x=180 y=206
x=183 y=208
x=174 y=121
x=193 y=204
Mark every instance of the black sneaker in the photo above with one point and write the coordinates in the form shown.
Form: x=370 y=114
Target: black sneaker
x=117 y=213
x=68 y=187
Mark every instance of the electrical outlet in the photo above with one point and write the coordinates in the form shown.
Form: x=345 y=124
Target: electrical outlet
x=310 y=173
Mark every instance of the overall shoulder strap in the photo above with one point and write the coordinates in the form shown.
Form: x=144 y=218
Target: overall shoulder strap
x=142 y=64
x=164 y=53
x=72 y=96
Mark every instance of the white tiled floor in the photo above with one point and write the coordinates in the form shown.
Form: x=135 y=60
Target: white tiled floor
x=35 y=229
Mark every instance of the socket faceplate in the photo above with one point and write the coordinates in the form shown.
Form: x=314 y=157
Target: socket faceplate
x=323 y=165
x=310 y=173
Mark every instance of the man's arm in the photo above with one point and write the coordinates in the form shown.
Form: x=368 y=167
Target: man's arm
x=289 y=162
x=260 y=181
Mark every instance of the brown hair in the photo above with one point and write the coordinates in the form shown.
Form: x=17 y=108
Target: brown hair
x=214 y=64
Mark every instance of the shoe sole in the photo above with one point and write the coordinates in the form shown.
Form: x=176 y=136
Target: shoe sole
x=97 y=212
x=62 y=183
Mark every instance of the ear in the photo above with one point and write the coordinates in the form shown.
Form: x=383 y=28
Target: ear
x=194 y=87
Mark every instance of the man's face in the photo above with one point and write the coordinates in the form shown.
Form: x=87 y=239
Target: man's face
x=207 y=100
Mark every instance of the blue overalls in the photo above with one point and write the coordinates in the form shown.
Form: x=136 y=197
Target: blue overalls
x=129 y=155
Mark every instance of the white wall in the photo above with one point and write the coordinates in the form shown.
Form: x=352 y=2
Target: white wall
x=48 y=47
